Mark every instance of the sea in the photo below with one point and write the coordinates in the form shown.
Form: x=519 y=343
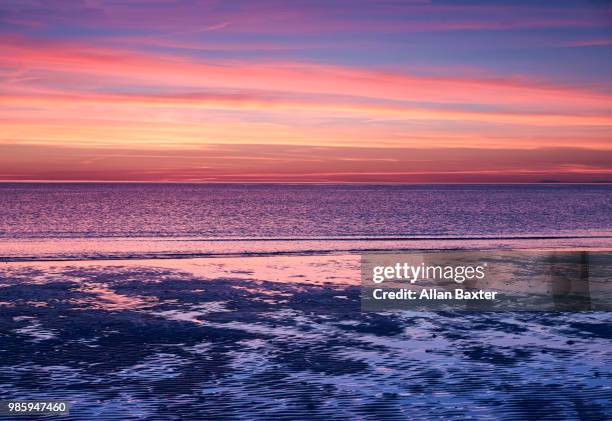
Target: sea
x=168 y=301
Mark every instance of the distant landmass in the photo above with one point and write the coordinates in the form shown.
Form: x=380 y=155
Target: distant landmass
x=583 y=182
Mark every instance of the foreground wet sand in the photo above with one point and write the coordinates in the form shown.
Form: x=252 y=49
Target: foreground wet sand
x=151 y=340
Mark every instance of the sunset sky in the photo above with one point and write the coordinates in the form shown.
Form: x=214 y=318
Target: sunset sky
x=306 y=91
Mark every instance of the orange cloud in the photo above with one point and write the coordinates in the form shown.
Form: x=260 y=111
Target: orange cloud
x=305 y=164
x=259 y=102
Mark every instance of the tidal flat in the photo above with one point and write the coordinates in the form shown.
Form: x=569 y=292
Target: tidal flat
x=162 y=340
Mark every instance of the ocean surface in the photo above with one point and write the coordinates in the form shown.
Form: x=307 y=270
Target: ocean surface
x=188 y=220
x=273 y=211
x=179 y=301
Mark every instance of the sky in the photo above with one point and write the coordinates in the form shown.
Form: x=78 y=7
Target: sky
x=306 y=91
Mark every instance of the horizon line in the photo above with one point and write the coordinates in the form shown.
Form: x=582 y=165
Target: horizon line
x=295 y=182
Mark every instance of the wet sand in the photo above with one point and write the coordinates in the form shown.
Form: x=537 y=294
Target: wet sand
x=285 y=338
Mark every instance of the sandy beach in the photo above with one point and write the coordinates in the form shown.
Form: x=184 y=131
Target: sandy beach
x=114 y=337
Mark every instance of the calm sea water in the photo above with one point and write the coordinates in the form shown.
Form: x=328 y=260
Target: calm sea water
x=271 y=211
x=98 y=221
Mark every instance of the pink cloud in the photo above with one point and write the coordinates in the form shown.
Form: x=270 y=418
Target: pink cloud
x=176 y=72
